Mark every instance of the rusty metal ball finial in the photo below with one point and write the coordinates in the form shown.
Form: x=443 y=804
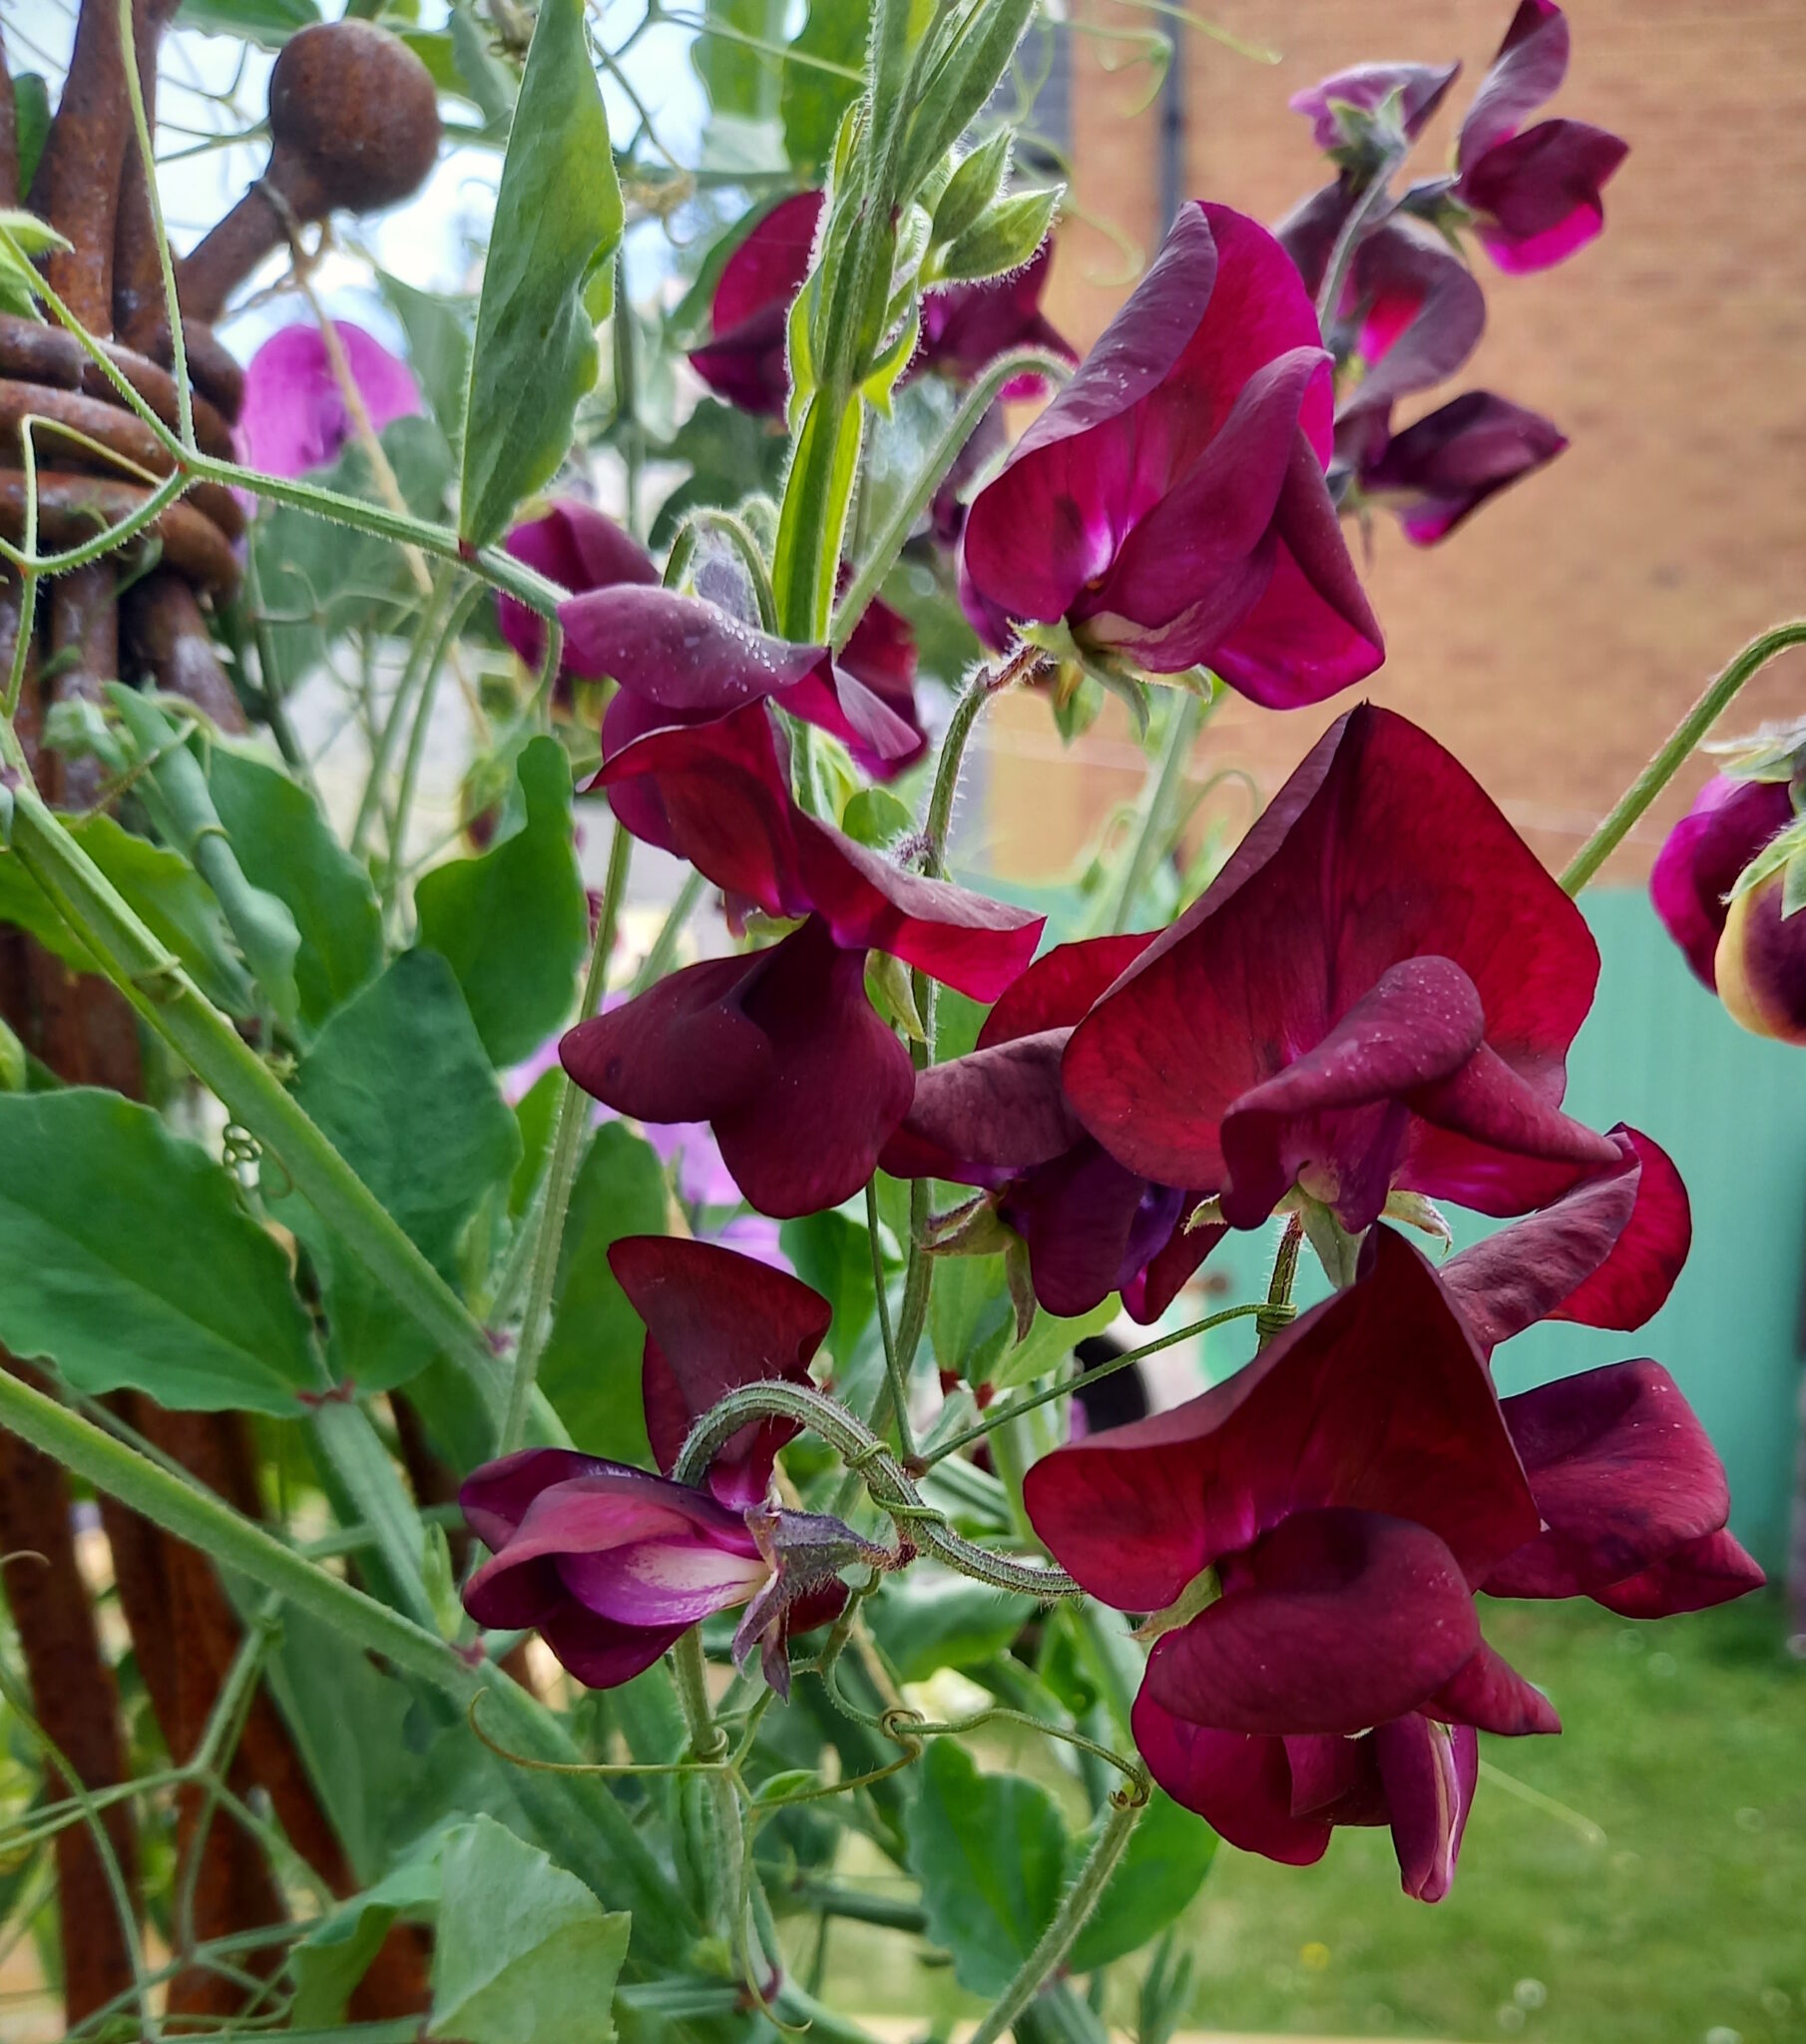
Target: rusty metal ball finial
x=354 y=119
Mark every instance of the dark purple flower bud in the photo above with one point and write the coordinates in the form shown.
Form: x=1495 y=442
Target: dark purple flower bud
x=744 y=361
x=1379 y=990
x=1437 y=473
x=1535 y=192
x=578 y=547
x=294 y=415
x=968 y=325
x=1421 y=88
x=1698 y=866
x=998 y=1119
x=1760 y=963
x=1169 y=504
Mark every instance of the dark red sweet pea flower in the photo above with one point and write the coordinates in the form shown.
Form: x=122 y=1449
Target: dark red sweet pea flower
x=578 y=547
x=966 y=327
x=743 y=361
x=1437 y=473
x=1421 y=88
x=998 y=1119
x=716 y=1321
x=1169 y=504
x=880 y=655
x=1701 y=857
x=1535 y=192
x=1378 y=990
x=779 y=1050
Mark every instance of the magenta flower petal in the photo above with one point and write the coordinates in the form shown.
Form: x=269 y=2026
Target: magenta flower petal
x=1711 y=1570
x=1488 y=1692
x=967 y=327
x=1698 y=866
x=1420 y=1022
x=1421 y=313
x=1375 y=1400
x=1623 y=1474
x=1537 y=196
x=1527 y=70
x=1381 y=849
x=1421 y=88
x=716 y=1321
x=1437 y=473
x=744 y=361
x=601 y=1652
x=1607 y=1254
x=718 y=796
x=1334 y=1620
x=654 y=1582
x=1428 y=1771
x=578 y=547
x=1207 y=349
x=1240 y=1785
x=295 y=418
x=494 y=1498
x=780 y=1051
x=690 y=660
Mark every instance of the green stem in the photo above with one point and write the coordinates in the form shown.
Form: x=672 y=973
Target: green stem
x=426 y=637
x=626 y=395
x=711 y=518
x=708 y=1743
x=276 y=702
x=834 y=1899
x=591 y=1831
x=884 y=1477
x=1069 y=1920
x=657 y=962
x=895 y=1373
x=1278 y=1309
x=367 y=1477
x=423 y=717
x=561 y=1170
x=1022 y=665
x=1000 y=1415
x=1354 y=230
x=1185 y=720
x=207 y=1042
x=1687 y=735
x=946 y=451
x=147 y=156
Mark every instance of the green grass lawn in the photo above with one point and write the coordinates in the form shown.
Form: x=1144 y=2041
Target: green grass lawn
x=1686 y=1924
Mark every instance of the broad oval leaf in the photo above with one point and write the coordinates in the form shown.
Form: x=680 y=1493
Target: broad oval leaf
x=127 y=1261
x=558 y=219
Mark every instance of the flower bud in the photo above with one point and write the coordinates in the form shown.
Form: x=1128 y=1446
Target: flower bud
x=1760 y=963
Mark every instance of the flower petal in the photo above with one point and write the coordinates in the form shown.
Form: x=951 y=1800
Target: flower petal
x=1334 y=1620
x=683 y=1051
x=1428 y=1771
x=494 y=1498
x=601 y=1652
x=1709 y=1571
x=997 y=1110
x=1489 y=1693
x=1437 y=473
x=1241 y=1786
x=1376 y=1399
x=967 y=327
x=294 y=416
x=1623 y=1474
x=1421 y=88
x=1057 y=992
x=1537 y=195
x=1527 y=70
x=1420 y=311
x=716 y=1321
x=661 y=1582
x=578 y=547
x=745 y=362
x=1698 y=866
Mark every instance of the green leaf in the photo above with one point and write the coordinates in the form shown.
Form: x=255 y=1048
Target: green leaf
x=513 y=923
x=1048 y=1343
x=929 y=1617
x=524 y=1949
x=1002 y=238
x=833 y=1253
x=400 y=1083
x=742 y=81
x=1169 y=1853
x=485 y=79
x=268 y=23
x=989 y=1853
x=336 y=1953
x=812 y=99
x=970 y=1318
x=963 y=79
x=169 y=898
x=322 y=579
x=974 y=185
x=438 y=332
x=31 y=116
x=591 y=1368
x=558 y=218
x=534 y=1113
x=875 y=818
x=286 y=848
x=126 y=1259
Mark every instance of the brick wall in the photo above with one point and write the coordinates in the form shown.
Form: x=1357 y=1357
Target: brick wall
x=1555 y=639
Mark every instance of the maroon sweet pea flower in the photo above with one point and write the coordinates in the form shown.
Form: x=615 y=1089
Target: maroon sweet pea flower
x=1365 y=88
x=612 y=1565
x=1437 y=473
x=1701 y=857
x=998 y=1119
x=779 y=1050
x=1169 y=504
x=880 y=655
x=1378 y=990
x=294 y=417
x=1535 y=192
x=965 y=327
x=745 y=359
x=578 y=547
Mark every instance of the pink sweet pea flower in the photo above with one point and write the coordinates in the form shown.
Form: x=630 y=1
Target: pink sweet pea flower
x=779 y=1050
x=999 y=1119
x=1535 y=192
x=1701 y=857
x=1169 y=504
x=1379 y=990
x=294 y=417
x=578 y=547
